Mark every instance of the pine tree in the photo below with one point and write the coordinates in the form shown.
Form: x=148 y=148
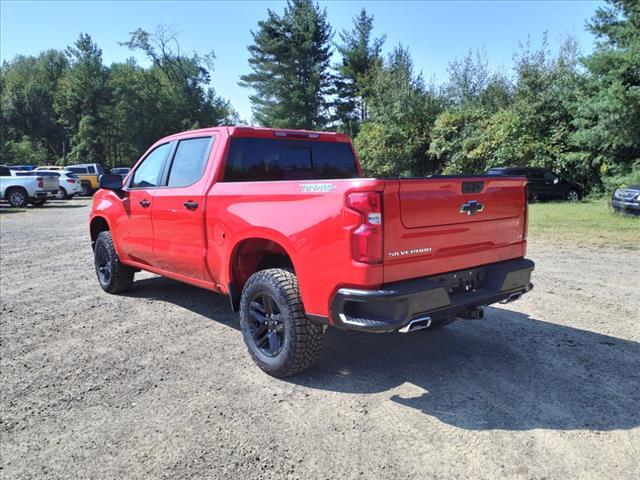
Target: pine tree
x=360 y=55
x=608 y=106
x=290 y=67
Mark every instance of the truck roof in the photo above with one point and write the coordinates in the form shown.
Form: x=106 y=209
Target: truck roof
x=263 y=132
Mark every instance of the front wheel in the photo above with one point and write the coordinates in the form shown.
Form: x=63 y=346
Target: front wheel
x=113 y=276
x=280 y=338
x=572 y=195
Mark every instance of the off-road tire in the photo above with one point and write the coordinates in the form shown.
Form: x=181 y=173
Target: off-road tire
x=303 y=338
x=17 y=197
x=120 y=276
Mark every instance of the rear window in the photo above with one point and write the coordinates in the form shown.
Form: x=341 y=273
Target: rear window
x=71 y=175
x=262 y=159
x=78 y=169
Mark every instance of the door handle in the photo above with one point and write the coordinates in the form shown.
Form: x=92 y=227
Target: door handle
x=191 y=205
x=145 y=203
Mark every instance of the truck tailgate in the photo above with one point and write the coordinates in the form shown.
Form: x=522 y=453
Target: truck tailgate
x=51 y=183
x=441 y=224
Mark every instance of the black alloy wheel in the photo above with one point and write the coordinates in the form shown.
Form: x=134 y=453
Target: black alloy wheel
x=103 y=264
x=266 y=324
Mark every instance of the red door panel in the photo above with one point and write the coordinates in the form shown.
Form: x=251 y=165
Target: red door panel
x=135 y=230
x=178 y=231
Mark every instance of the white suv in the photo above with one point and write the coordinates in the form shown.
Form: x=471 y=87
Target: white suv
x=69 y=183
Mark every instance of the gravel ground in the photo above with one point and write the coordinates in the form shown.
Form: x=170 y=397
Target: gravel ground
x=157 y=383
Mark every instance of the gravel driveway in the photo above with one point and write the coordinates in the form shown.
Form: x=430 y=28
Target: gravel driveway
x=157 y=384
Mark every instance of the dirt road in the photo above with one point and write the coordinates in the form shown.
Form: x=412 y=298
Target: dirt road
x=157 y=384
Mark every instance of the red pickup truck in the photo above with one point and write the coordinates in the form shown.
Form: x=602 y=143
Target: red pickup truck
x=285 y=224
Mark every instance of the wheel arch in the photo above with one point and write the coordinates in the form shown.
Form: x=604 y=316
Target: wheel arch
x=10 y=189
x=250 y=255
x=98 y=225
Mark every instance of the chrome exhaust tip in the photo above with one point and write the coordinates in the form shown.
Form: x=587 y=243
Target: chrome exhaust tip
x=416 y=324
x=512 y=298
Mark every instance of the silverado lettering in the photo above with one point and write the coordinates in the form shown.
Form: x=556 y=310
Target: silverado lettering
x=284 y=223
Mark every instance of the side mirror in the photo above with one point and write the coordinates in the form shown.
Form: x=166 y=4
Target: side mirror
x=556 y=180
x=111 y=181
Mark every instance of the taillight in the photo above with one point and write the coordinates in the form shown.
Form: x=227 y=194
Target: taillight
x=366 y=239
x=40 y=182
x=70 y=180
x=526 y=214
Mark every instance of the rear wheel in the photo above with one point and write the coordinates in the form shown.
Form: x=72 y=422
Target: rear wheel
x=280 y=338
x=572 y=195
x=113 y=276
x=62 y=194
x=17 y=197
x=86 y=189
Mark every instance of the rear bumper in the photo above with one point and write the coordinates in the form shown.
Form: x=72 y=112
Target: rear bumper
x=438 y=297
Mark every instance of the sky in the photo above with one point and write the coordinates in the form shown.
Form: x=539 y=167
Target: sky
x=435 y=32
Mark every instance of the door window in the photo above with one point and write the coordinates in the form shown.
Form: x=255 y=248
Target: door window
x=148 y=173
x=189 y=161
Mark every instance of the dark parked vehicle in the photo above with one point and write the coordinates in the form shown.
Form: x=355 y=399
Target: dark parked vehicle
x=122 y=171
x=543 y=184
x=627 y=200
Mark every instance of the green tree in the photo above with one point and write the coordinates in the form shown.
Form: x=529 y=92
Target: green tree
x=395 y=140
x=607 y=136
x=29 y=85
x=290 y=58
x=82 y=99
x=360 y=55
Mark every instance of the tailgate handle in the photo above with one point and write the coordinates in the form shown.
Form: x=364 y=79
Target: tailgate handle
x=472 y=187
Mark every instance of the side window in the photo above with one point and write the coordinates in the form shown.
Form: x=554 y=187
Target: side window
x=149 y=171
x=548 y=175
x=535 y=174
x=189 y=161
x=91 y=169
x=5 y=172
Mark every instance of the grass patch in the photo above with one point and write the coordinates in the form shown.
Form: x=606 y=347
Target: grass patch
x=590 y=222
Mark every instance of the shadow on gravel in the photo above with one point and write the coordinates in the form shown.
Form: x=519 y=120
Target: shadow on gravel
x=507 y=372
x=198 y=300
x=60 y=204
x=5 y=211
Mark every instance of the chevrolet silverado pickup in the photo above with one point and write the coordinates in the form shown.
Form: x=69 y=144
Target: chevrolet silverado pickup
x=20 y=191
x=285 y=224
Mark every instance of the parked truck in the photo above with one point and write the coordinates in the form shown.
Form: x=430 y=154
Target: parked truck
x=285 y=224
x=20 y=191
